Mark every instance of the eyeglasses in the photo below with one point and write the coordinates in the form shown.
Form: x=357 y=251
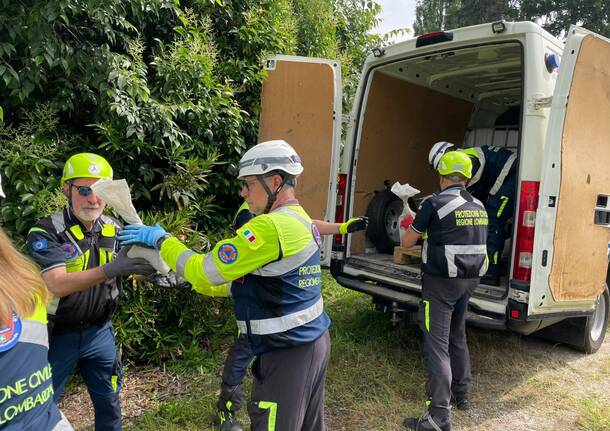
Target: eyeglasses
x=248 y=184
x=83 y=190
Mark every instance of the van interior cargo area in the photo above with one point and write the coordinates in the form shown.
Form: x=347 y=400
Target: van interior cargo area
x=467 y=96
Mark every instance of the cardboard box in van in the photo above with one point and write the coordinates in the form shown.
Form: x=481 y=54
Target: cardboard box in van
x=503 y=84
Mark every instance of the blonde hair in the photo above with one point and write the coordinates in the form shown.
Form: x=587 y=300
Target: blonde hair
x=21 y=286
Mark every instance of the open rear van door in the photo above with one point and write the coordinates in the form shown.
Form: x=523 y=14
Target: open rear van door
x=301 y=103
x=569 y=262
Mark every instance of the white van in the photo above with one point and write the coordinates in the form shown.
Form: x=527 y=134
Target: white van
x=503 y=84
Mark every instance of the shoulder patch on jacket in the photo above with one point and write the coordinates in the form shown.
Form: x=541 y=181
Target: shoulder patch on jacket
x=227 y=253
x=9 y=335
x=252 y=238
x=39 y=244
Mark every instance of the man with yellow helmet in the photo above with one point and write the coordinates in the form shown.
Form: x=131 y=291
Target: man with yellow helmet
x=81 y=263
x=453 y=225
x=493 y=182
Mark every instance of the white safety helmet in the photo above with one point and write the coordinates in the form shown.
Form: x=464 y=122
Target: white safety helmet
x=437 y=151
x=270 y=156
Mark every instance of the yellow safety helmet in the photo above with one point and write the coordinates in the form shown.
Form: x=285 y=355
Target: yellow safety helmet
x=86 y=165
x=455 y=162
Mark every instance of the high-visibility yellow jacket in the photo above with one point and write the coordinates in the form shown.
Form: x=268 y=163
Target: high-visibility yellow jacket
x=273 y=263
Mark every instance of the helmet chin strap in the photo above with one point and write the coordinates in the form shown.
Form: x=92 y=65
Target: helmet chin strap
x=69 y=183
x=271 y=196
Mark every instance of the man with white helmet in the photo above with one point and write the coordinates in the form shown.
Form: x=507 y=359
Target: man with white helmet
x=493 y=182
x=273 y=264
x=240 y=354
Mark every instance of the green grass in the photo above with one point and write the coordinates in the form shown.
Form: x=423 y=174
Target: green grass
x=372 y=365
x=594 y=414
x=376 y=377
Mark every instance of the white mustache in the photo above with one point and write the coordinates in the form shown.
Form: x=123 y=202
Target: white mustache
x=96 y=207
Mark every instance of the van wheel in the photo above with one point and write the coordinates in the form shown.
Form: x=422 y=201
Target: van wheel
x=583 y=333
x=384 y=213
x=595 y=325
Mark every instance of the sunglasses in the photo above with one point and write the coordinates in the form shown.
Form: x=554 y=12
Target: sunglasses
x=83 y=190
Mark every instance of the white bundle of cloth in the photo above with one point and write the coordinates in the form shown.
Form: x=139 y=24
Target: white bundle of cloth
x=116 y=194
x=404 y=192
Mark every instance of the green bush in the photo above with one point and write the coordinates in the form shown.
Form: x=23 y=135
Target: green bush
x=159 y=324
x=30 y=161
x=167 y=91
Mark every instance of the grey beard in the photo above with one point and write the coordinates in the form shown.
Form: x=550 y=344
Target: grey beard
x=86 y=214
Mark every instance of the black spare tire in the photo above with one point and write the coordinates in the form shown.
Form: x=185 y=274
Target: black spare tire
x=384 y=213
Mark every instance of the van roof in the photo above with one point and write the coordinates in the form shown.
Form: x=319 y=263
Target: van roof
x=480 y=33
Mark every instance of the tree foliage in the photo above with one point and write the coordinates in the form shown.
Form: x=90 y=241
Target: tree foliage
x=167 y=91
x=557 y=16
x=554 y=16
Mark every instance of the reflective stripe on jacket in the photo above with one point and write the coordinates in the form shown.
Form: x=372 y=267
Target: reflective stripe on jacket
x=274 y=263
x=455 y=244
x=491 y=167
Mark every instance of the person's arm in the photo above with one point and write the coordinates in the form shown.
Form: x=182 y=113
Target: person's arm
x=420 y=224
x=352 y=225
x=255 y=245
x=62 y=283
x=46 y=249
x=410 y=238
x=326 y=227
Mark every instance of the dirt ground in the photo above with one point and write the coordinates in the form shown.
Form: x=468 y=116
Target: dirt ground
x=143 y=390
x=554 y=390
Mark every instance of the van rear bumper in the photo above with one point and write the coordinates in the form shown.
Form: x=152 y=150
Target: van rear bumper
x=410 y=301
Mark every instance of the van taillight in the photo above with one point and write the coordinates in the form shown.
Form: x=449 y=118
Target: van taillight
x=524 y=245
x=340 y=211
x=432 y=38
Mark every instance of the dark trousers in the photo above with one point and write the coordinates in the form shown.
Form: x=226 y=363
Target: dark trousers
x=443 y=321
x=499 y=208
x=288 y=390
x=231 y=391
x=94 y=350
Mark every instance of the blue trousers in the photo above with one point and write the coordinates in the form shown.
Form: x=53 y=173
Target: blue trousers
x=239 y=357
x=499 y=208
x=95 y=352
x=235 y=368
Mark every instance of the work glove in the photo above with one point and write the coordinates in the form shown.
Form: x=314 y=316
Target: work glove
x=353 y=225
x=170 y=280
x=141 y=234
x=124 y=266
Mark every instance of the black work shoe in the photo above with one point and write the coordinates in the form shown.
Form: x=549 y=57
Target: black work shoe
x=461 y=403
x=491 y=280
x=228 y=421
x=427 y=423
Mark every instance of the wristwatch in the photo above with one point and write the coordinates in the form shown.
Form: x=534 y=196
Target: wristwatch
x=160 y=240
